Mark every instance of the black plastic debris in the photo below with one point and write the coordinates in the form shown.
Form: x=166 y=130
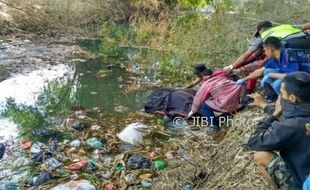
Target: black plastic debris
x=138 y=162
x=39 y=179
x=2 y=150
x=78 y=126
x=39 y=157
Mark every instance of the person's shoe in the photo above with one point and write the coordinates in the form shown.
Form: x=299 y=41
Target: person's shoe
x=270 y=100
x=246 y=100
x=271 y=95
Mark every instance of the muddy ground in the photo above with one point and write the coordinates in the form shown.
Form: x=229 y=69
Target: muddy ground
x=23 y=55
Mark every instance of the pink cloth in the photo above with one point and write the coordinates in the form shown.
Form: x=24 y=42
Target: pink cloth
x=219 y=92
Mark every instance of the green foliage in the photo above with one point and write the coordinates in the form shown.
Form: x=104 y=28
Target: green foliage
x=224 y=6
x=113 y=36
x=194 y=3
x=27 y=117
x=54 y=101
x=55 y=98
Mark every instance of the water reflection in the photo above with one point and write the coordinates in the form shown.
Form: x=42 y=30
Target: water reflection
x=54 y=91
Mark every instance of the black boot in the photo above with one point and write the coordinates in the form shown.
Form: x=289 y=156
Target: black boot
x=272 y=96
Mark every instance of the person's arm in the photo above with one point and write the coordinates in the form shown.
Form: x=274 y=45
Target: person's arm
x=277 y=75
x=256 y=74
x=194 y=83
x=240 y=60
x=254 y=48
x=255 y=45
x=272 y=134
x=305 y=26
x=269 y=134
x=201 y=95
x=251 y=67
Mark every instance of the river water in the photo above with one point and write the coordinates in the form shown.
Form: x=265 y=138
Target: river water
x=52 y=89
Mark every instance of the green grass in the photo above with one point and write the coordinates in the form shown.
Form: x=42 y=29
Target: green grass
x=179 y=42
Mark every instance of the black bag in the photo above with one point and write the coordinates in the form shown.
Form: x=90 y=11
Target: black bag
x=301 y=57
x=298 y=55
x=170 y=102
x=297 y=41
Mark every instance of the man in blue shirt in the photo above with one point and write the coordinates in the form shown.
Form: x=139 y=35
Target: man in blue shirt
x=274 y=70
x=278 y=66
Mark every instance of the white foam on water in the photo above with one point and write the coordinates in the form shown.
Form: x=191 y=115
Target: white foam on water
x=25 y=89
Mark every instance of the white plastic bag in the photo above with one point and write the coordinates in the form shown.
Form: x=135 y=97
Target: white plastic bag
x=134 y=133
x=75 y=185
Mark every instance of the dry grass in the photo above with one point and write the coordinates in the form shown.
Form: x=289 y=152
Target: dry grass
x=55 y=17
x=79 y=16
x=215 y=162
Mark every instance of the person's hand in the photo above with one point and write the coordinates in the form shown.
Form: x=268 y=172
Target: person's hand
x=240 y=70
x=190 y=114
x=278 y=108
x=228 y=69
x=240 y=81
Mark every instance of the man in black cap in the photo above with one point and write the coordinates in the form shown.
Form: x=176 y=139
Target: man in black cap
x=254 y=47
x=254 y=58
x=262 y=26
x=200 y=71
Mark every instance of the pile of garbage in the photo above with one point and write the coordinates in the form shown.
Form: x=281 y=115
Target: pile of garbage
x=137 y=151
x=84 y=154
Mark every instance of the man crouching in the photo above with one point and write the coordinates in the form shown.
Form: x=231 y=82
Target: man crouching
x=285 y=133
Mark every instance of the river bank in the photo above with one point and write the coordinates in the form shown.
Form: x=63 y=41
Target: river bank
x=101 y=94
x=65 y=99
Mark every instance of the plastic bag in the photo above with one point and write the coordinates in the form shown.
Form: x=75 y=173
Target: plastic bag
x=75 y=185
x=134 y=133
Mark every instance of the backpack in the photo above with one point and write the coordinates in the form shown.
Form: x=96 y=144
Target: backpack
x=297 y=41
x=301 y=57
x=170 y=102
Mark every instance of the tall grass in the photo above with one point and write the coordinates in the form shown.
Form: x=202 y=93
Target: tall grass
x=55 y=17
x=179 y=41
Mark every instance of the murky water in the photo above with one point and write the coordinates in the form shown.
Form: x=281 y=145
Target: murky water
x=55 y=89
x=25 y=89
x=95 y=83
x=107 y=92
